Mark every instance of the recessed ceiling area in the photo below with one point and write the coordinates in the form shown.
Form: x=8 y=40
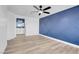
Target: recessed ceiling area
x=27 y=10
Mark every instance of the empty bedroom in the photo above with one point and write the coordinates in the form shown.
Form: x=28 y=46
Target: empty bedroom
x=39 y=29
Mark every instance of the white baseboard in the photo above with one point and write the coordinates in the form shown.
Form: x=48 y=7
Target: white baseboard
x=70 y=44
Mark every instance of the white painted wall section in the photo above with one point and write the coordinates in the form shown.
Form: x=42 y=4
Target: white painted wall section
x=3 y=35
x=11 y=26
x=20 y=30
x=32 y=26
x=3 y=30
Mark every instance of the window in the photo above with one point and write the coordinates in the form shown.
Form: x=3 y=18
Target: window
x=20 y=23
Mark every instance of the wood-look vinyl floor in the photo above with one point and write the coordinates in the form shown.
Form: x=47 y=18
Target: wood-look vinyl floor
x=38 y=45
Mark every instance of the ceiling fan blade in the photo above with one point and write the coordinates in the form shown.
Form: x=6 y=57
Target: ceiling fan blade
x=47 y=8
x=40 y=6
x=36 y=7
x=47 y=12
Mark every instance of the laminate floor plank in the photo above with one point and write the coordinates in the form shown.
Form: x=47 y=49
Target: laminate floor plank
x=37 y=44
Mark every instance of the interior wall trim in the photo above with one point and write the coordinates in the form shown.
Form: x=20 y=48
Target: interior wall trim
x=61 y=41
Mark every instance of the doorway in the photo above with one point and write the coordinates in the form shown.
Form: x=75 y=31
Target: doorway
x=20 y=26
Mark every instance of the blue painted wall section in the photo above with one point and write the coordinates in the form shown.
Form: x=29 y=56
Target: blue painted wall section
x=63 y=25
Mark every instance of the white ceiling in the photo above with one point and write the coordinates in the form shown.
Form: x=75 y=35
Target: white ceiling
x=26 y=10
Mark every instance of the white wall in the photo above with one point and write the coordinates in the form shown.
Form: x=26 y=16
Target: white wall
x=32 y=26
x=11 y=25
x=20 y=30
x=3 y=30
x=11 y=28
x=3 y=36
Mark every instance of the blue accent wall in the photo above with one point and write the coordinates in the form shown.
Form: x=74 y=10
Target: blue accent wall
x=63 y=25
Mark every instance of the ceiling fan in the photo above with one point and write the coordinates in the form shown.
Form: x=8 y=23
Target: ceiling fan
x=40 y=9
